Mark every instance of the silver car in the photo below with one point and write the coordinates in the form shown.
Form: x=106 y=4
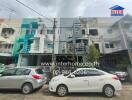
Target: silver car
x=26 y=79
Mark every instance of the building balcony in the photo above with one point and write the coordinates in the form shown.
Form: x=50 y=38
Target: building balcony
x=110 y=38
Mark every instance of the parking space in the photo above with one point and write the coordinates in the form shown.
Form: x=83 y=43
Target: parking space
x=44 y=94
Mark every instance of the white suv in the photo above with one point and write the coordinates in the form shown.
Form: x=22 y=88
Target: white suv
x=86 y=80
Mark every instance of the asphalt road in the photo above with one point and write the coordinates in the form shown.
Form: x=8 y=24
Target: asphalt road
x=44 y=94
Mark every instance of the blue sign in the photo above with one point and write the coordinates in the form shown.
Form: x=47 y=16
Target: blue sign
x=117 y=10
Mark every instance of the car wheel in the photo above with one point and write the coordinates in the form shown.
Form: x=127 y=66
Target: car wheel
x=62 y=90
x=27 y=88
x=108 y=91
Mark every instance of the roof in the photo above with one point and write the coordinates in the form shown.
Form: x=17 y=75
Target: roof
x=116 y=7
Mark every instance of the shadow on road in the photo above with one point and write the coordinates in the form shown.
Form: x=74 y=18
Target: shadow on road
x=7 y=91
x=14 y=91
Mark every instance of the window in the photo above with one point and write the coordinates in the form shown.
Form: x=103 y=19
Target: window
x=50 y=32
x=27 y=31
x=93 y=32
x=39 y=71
x=87 y=72
x=94 y=73
x=83 y=32
x=109 y=31
x=78 y=41
x=106 y=45
x=6 y=45
x=8 y=31
x=50 y=45
x=41 y=31
x=9 y=72
x=22 y=71
x=97 y=46
x=80 y=73
x=10 y=46
x=109 y=45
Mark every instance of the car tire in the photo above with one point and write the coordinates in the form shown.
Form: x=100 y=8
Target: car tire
x=27 y=88
x=62 y=90
x=108 y=91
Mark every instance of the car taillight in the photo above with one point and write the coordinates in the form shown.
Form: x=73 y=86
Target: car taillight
x=115 y=77
x=37 y=77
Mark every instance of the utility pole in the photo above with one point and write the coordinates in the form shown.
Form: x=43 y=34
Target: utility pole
x=53 y=53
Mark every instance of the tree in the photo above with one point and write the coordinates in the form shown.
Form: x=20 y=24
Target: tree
x=93 y=54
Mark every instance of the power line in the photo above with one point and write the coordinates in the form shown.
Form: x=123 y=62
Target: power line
x=33 y=10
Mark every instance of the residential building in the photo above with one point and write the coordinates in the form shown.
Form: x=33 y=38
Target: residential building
x=73 y=36
x=9 y=30
x=41 y=47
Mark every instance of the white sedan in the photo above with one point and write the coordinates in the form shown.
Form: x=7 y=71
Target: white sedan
x=86 y=80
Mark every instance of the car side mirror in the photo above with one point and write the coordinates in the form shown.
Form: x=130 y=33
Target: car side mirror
x=71 y=76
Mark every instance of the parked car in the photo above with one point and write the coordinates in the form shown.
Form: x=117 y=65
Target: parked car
x=121 y=74
x=86 y=80
x=25 y=79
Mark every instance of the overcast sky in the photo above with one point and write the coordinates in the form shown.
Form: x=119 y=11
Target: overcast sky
x=62 y=8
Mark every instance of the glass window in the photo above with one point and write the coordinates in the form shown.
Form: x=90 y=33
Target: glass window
x=39 y=71
x=9 y=72
x=22 y=71
x=50 y=32
x=93 y=32
x=83 y=32
x=94 y=73
x=111 y=45
x=87 y=72
x=106 y=45
x=109 y=31
x=80 y=73
x=50 y=45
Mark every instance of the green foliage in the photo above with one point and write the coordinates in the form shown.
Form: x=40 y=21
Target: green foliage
x=93 y=54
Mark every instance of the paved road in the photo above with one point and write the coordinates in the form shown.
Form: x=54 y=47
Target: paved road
x=44 y=94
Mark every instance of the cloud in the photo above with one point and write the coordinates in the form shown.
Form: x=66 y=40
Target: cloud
x=62 y=8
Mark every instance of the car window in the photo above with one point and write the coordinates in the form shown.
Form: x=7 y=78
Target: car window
x=94 y=73
x=9 y=72
x=39 y=71
x=80 y=73
x=22 y=71
x=87 y=72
